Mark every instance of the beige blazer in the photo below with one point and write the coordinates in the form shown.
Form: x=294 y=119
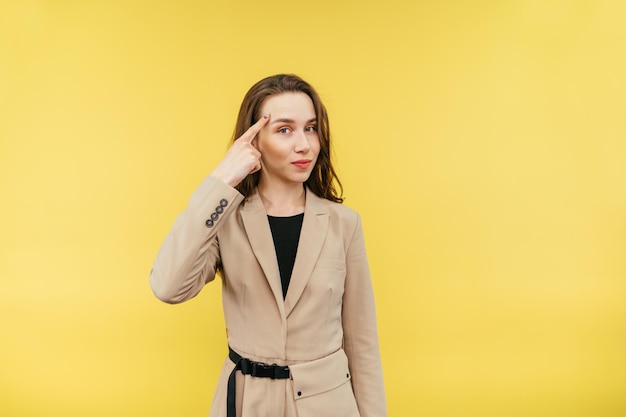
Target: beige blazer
x=325 y=328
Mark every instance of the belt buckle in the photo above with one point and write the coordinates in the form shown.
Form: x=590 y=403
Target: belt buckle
x=263 y=370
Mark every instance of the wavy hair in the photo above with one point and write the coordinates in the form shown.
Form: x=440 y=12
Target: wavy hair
x=323 y=179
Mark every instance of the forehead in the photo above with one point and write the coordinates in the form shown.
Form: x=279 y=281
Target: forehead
x=289 y=105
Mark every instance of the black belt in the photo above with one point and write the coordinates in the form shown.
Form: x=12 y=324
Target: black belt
x=248 y=367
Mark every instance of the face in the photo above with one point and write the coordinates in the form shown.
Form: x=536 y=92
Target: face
x=289 y=142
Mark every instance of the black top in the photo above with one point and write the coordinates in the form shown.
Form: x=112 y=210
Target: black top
x=286 y=233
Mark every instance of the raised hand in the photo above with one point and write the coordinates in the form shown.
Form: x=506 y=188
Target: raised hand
x=242 y=158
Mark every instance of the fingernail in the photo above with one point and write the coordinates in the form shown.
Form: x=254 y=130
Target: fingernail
x=266 y=116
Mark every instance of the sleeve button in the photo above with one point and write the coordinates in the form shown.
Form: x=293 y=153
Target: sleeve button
x=219 y=209
x=223 y=202
x=209 y=223
x=214 y=216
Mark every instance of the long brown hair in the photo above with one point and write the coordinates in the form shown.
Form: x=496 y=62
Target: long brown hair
x=323 y=178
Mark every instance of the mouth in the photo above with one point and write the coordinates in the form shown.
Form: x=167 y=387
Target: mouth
x=302 y=163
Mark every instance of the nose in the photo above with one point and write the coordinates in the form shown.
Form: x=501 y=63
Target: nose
x=302 y=143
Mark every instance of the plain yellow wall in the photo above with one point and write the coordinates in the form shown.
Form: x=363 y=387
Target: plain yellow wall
x=483 y=142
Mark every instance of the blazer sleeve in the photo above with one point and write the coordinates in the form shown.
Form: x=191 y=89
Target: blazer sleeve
x=360 y=330
x=189 y=255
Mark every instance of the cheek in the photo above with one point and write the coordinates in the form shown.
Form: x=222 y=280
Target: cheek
x=268 y=146
x=315 y=145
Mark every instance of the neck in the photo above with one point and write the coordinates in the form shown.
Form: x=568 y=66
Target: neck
x=282 y=201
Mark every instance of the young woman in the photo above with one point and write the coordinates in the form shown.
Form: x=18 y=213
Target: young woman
x=296 y=287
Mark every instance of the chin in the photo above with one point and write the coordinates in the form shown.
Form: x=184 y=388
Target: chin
x=301 y=178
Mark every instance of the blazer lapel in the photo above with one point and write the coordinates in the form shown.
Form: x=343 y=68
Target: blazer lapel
x=260 y=237
x=312 y=235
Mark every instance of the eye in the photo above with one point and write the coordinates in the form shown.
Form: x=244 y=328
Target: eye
x=284 y=130
x=311 y=128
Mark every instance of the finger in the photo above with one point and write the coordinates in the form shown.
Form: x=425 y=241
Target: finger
x=254 y=129
x=256 y=154
x=256 y=168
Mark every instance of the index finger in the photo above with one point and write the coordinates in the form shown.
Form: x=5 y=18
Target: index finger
x=255 y=128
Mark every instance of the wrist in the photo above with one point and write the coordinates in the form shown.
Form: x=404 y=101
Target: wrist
x=224 y=177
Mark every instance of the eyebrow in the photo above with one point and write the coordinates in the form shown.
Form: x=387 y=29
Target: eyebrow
x=285 y=120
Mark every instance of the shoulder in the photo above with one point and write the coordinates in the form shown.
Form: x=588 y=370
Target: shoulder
x=340 y=214
x=341 y=210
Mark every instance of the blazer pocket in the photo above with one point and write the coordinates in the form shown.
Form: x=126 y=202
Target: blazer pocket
x=323 y=388
x=337 y=265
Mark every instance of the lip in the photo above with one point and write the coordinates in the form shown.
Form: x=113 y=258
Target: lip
x=302 y=163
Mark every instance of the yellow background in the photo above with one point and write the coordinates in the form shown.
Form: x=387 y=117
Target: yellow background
x=483 y=142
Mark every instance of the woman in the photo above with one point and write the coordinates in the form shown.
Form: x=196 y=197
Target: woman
x=297 y=293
